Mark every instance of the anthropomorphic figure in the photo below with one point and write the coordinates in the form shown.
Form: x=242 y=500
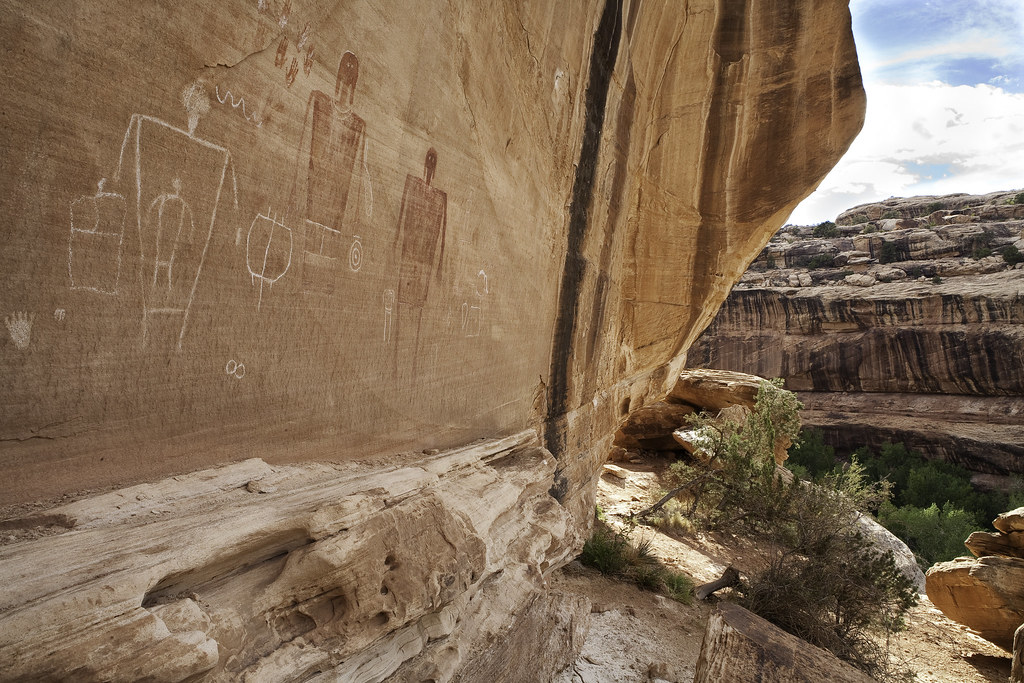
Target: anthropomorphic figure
x=176 y=179
x=334 y=154
x=421 y=228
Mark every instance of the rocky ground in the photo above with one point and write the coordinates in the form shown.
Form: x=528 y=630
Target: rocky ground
x=638 y=636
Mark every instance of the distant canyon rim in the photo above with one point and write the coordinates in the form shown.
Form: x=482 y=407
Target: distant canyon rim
x=905 y=323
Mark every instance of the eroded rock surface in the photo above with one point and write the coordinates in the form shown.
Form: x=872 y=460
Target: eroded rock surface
x=740 y=646
x=305 y=231
x=986 y=594
x=899 y=329
x=350 y=569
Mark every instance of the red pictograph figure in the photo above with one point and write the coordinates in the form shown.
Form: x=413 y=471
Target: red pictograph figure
x=421 y=227
x=334 y=155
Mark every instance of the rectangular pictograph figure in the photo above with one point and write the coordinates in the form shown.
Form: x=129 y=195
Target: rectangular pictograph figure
x=177 y=180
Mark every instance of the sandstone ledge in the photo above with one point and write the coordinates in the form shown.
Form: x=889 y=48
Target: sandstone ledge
x=352 y=569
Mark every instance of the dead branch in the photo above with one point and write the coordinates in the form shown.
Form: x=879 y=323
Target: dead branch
x=672 y=494
x=730 y=577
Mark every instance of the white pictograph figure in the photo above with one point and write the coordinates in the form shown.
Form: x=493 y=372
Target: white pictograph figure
x=174 y=228
x=94 y=247
x=268 y=251
x=389 y=306
x=253 y=118
x=472 y=312
x=355 y=255
x=19 y=326
x=234 y=369
x=58 y=315
x=170 y=217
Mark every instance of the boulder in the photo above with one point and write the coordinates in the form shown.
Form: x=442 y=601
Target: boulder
x=886 y=541
x=1017 y=664
x=697 y=442
x=713 y=390
x=1010 y=521
x=741 y=647
x=732 y=394
x=860 y=280
x=985 y=594
x=888 y=274
x=983 y=544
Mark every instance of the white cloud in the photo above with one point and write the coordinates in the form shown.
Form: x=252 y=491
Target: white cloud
x=955 y=41
x=926 y=139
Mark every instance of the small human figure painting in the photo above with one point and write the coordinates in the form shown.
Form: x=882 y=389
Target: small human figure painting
x=170 y=221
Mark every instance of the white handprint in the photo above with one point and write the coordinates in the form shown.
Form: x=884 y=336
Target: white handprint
x=19 y=325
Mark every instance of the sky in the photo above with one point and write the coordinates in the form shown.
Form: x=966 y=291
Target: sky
x=945 y=87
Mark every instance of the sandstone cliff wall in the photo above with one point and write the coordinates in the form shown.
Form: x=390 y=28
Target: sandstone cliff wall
x=911 y=329
x=301 y=231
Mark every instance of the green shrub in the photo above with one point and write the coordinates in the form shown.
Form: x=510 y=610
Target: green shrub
x=678 y=585
x=812 y=454
x=933 y=207
x=1012 y=255
x=824 y=582
x=606 y=551
x=1019 y=198
x=828 y=584
x=934 y=534
x=825 y=229
x=936 y=280
x=891 y=213
x=611 y=553
x=838 y=600
x=931 y=483
x=673 y=518
x=821 y=261
x=918 y=484
x=893 y=463
x=868 y=229
x=890 y=253
x=980 y=253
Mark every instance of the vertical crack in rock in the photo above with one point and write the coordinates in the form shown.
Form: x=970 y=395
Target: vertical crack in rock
x=623 y=129
x=602 y=64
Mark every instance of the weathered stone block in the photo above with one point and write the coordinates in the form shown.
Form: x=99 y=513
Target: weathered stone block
x=741 y=647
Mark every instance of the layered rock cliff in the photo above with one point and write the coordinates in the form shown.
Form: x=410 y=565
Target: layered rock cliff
x=302 y=231
x=905 y=327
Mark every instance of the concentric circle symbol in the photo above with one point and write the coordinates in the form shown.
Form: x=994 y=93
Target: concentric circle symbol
x=355 y=255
